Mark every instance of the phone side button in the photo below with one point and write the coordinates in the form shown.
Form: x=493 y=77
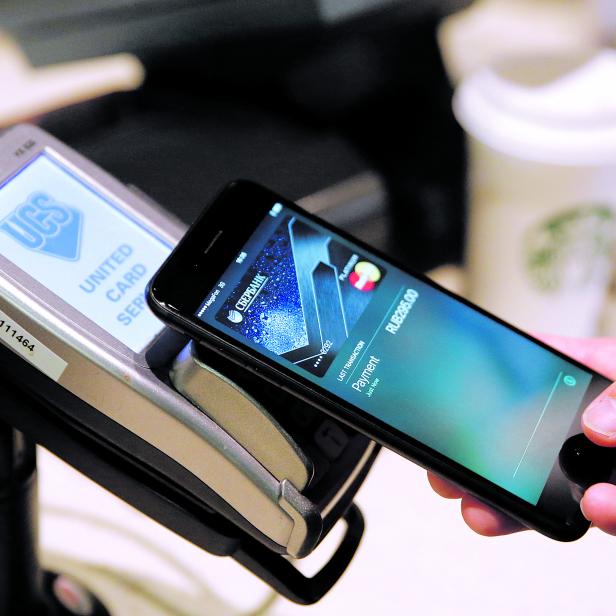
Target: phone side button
x=330 y=439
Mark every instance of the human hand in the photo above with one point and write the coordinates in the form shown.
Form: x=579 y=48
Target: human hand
x=599 y=424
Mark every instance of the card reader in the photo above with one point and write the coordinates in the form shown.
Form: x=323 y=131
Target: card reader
x=77 y=249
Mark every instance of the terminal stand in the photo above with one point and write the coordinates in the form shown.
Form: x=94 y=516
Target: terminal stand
x=24 y=587
x=27 y=419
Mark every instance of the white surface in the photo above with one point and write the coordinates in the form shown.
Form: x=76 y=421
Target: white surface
x=417 y=557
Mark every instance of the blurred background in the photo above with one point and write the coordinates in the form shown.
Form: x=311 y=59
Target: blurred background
x=297 y=94
x=508 y=196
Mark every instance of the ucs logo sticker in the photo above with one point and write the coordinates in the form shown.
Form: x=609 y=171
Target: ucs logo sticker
x=44 y=225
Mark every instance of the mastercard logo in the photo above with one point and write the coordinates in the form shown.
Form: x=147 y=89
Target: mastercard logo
x=364 y=276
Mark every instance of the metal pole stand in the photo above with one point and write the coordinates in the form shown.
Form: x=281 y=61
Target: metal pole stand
x=24 y=587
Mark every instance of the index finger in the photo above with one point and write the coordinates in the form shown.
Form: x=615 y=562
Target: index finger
x=444 y=488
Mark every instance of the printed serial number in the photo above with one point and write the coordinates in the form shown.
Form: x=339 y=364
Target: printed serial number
x=8 y=330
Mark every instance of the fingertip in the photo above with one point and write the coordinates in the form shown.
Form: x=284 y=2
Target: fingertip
x=599 y=419
x=444 y=488
x=599 y=506
x=485 y=520
x=598 y=438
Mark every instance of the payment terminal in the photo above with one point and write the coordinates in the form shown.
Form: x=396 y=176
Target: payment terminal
x=227 y=461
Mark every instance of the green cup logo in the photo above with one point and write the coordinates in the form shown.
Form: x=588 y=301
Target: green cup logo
x=570 y=249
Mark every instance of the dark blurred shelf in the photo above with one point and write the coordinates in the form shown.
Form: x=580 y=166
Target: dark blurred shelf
x=299 y=109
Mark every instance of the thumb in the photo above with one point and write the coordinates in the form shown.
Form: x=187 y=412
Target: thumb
x=599 y=506
x=599 y=419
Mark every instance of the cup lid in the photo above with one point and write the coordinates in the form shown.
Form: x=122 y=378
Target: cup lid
x=559 y=110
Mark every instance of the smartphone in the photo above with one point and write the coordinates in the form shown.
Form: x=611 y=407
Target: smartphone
x=418 y=369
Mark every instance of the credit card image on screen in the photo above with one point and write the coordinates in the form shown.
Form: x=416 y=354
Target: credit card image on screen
x=301 y=295
x=418 y=369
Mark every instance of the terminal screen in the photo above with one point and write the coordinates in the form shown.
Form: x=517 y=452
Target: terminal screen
x=400 y=349
x=81 y=246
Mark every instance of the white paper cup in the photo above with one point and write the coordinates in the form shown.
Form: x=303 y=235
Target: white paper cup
x=542 y=189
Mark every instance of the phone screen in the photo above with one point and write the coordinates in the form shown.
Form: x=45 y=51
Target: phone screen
x=403 y=351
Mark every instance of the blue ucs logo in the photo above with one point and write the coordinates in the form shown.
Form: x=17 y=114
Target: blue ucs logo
x=44 y=225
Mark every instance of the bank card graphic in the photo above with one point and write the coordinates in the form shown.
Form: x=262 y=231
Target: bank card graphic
x=302 y=295
x=44 y=225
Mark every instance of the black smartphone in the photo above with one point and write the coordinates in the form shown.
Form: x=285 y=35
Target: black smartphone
x=418 y=369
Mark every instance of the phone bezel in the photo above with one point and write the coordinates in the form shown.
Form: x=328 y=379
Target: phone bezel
x=178 y=288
